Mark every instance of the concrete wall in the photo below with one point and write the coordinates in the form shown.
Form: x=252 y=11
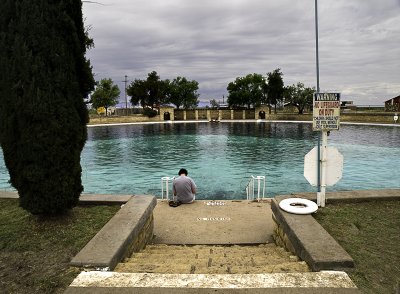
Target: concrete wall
x=120 y=119
x=230 y=114
x=280 y=237
x=166 y=110
x=304 y=236
x=214 y=114
x=129 y=230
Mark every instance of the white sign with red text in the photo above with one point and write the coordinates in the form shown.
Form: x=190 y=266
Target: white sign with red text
x=326 y=111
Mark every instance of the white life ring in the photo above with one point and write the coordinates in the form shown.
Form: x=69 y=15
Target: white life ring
x=298 y=206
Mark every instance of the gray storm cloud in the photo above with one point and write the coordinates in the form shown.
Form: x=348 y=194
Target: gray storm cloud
x=214 y=42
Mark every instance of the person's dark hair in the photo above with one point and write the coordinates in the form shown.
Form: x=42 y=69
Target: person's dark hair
x=183 y=171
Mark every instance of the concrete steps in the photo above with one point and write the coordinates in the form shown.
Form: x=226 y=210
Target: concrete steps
x=276 y=283
x=203 y=259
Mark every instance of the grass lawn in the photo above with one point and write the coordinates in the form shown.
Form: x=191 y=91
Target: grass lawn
x=370 y=233
x=35 y=251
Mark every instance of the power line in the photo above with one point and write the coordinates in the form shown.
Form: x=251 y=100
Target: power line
x=93 y=2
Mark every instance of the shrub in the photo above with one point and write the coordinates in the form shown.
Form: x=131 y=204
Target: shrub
x=150 y=112
x=43 y=81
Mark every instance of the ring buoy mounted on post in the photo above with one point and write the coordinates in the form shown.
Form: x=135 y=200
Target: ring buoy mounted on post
x=298 y=206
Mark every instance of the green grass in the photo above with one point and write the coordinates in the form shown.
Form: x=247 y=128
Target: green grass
x=35 y=251
x=370 y=233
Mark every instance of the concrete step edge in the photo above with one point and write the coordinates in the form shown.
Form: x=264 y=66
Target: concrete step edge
x=324 y=279
x=234 y=248
x=214 y=253
x=214 y=269
x=189 y=255
x=210 y=260
x=219 y=251
x=264 y=245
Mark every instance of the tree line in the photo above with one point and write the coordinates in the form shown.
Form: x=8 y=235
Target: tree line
x=248 y=91
x=150 y=93
x=255 y=89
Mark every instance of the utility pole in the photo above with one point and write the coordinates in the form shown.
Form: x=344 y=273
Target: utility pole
x=126 y=97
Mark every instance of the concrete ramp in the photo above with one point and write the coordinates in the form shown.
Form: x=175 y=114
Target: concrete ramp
x=213 y=222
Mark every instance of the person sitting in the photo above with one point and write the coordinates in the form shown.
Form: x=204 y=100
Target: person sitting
x=184 y=189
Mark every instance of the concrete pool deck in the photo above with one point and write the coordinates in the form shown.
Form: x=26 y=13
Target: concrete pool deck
x=213 y=222
x=352 y=196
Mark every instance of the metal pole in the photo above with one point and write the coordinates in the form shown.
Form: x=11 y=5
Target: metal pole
x=264 y=189
x=252 y=185
x=324 y=167
x=165 y=180
x=126 y=97
x=167 y=188
x=162 y=188
x=316 y=43
x=318 y=89
x=319 y=163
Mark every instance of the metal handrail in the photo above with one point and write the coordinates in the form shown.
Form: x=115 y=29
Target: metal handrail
x=250 y=188
x=165 y=183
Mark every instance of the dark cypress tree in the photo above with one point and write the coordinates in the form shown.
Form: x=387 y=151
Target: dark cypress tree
x=44 y=77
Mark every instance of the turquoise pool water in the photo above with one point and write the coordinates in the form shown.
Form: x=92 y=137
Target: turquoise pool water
x=221 y=157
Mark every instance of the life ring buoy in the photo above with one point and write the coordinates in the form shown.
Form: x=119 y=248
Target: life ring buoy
x=298 y=206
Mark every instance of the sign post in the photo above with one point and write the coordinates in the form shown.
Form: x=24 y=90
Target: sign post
x=326 y=117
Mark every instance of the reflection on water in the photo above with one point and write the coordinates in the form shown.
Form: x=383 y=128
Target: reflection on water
x=221 y=157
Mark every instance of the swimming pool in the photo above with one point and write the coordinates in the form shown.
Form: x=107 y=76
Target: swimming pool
x=221 y=157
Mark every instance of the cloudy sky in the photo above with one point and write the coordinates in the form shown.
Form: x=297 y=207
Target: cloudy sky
x=215 y=41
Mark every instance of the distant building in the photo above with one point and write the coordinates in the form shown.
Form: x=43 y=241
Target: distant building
x=393 y=104
x=347 y=105
x=223 y=106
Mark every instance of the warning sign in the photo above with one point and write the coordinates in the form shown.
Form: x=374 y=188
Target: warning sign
x=326 y=111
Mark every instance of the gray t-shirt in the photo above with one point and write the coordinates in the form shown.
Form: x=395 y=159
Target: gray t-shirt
x=183 y=187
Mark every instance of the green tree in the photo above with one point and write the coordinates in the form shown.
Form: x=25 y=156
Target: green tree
x=138 y=92
x=299 y=96
x=156 y=89
x=150 y=92
x=43 y=79
x=246 y=91
x=275 y=87
x=106 y=94
x=183 y=93
x=214 y=103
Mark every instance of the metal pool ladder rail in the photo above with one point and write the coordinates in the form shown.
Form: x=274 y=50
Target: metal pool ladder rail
x=250 y=188
x=165 y=187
